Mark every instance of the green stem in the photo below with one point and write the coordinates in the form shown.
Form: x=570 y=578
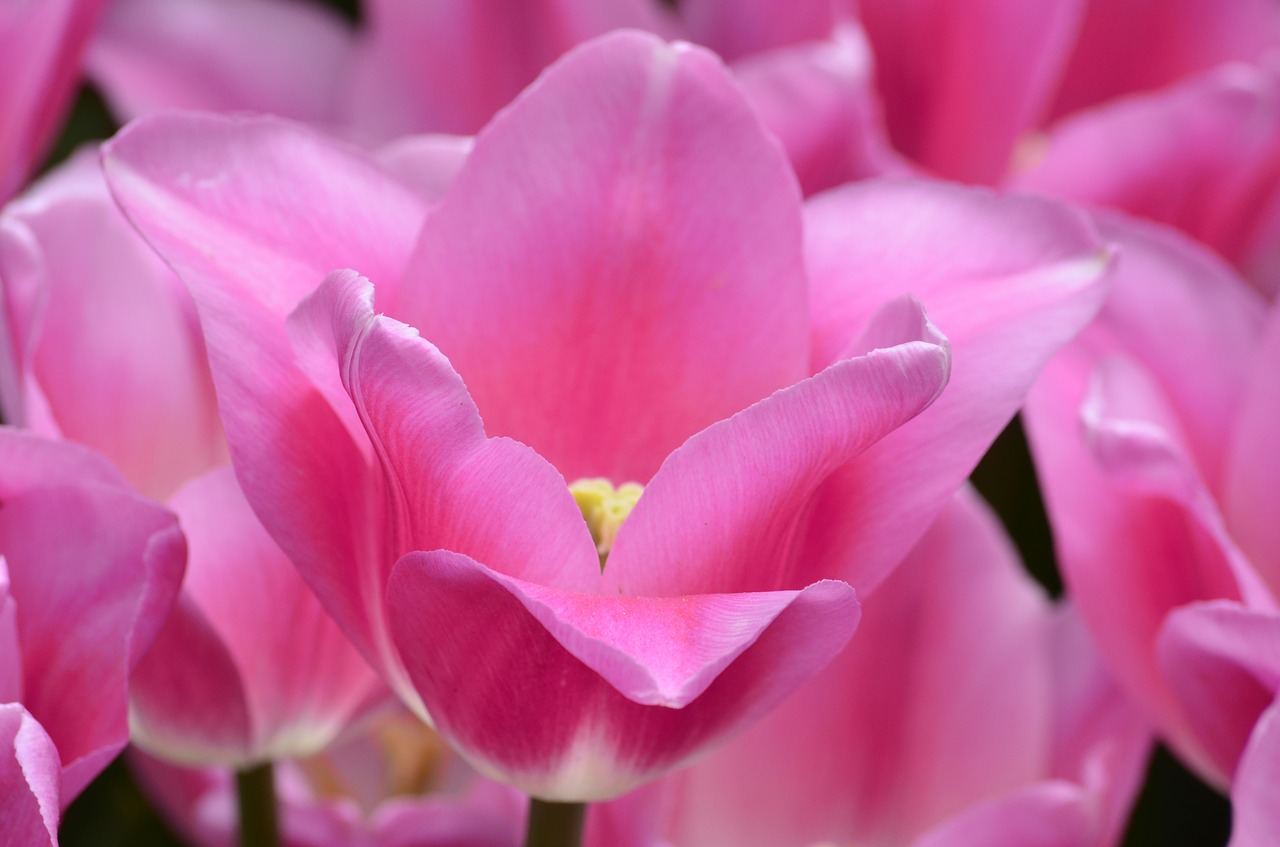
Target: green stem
x=256 y=793
x=554 y=824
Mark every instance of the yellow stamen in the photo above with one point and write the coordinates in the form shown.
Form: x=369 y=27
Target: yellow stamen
x=605 y=508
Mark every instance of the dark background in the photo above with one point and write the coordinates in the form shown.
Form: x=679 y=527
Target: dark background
x=1174 y=809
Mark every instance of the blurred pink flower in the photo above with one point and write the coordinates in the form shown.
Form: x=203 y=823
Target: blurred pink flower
x=1154 y=435
x=76 y=546
x=619 y=273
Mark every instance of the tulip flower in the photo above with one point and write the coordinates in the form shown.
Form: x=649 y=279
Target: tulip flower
x=618 y=280
x=88 y=571
x=968 y=711
x=1154 y=438
x=42 y=45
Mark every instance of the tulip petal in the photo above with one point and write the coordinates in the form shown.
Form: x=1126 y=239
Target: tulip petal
x=1254 y=461
x=1223 y=661
x=28 y=780
x=280 y=57
x=729 y=509
x=1008 y=280
x=1257 y=783
x=886 y=742
x=10 y=652
x=447 y=66
x=476 y=642
x=116 y=355
x=648 y=280
x=1049 y=814
x=427 y=163
x=817 y=98
x=961 y=81
x=734 y=29
x=1204 y=157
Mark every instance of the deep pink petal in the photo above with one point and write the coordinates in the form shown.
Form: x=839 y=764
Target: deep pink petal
x=10 y=650
x=476 y=642
x=1204 y=157
x=1178 y=37
x=448 y=66
x=817 y=98
x=41 y=44
x=730 y=509
x=962 y=81
x=612 y=271
x=1254 y=461
x=1223 y=661
x=281 y=57
x=737 y=29
x=1008 y=280
x=942 y=700
x=29 y=795
x=1256 y=817
x=93 y=553
x=253 y=213
x=113 y=347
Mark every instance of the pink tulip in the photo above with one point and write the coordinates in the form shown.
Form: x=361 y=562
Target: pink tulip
x=88 y=571
x=41 y=42
x=1154 y=436
x=618 y=274
x=99 y=341
x=968 y=711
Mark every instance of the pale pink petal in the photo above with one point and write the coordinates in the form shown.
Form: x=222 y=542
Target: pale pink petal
x=941 y=700
x=41 y=42
x=1204 y=157
x=284 y=57
x=732 y=508
x=448 y=66
x=29 y=795
x=1178 y=38
x=475 y=642
x=114 y=347
x=735 y=29
x=253 y=213
x=1008 y=280
x=1253 y=471
x=648 y=277
x=1223 y=661
x=961 y=81
x=427 y=163
x=817 y=98
x=1257 y=784
x=1049 y=814
x=91 y=552
x=280 y=679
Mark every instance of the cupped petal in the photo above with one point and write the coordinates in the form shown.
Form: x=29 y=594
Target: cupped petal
x=98 y=555
x=817 y=98
x=29 y=794
x=731 y=509
x=1009 y=280
x=506 y=670
x=1256 y=819
x=253 y=213
x=275 y=678
x=961 y=81
x=281 y=57
x=1179 y=38
x=1049 y=814
x=114 y=347
x=736 y=29
x=942 y=700
x=1204 y=157
x=1253 y=467
x=613 y=269
x=1223 y=661
x=41 y=44
x=448 y=66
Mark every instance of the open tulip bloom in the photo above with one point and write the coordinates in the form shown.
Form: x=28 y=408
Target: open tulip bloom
x=596 y=481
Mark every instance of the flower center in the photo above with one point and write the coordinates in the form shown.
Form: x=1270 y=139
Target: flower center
x=605 y=508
